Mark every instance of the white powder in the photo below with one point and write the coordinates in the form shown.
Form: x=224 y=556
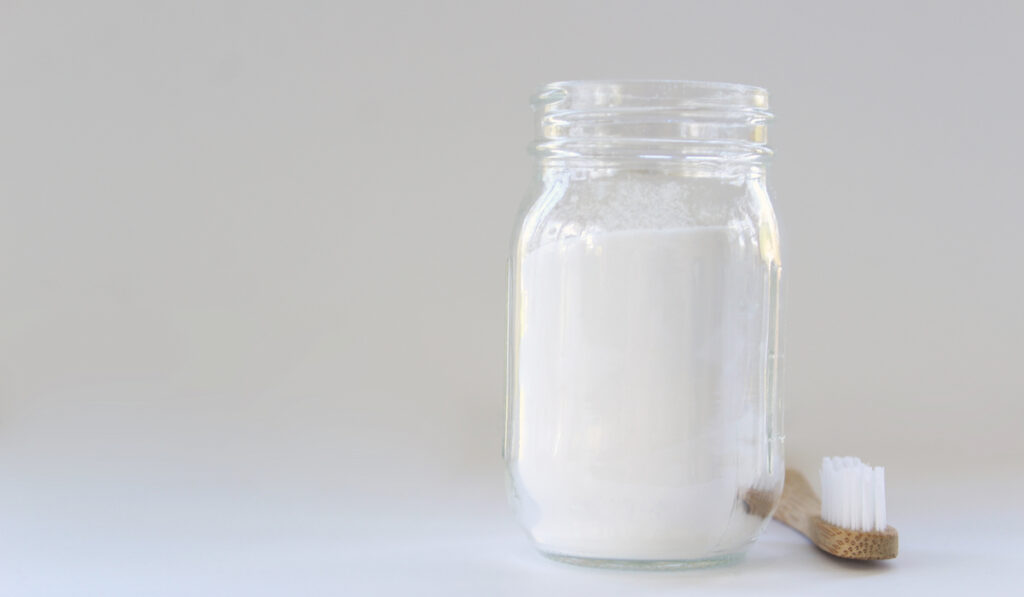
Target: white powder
x=641 y=414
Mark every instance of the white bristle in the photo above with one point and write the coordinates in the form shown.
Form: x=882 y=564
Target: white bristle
x=853 y=494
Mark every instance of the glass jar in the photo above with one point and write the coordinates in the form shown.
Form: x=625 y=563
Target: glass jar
x=643 y=423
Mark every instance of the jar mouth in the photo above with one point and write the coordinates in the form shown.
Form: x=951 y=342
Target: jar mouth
x=652 y=119
x=663 y=93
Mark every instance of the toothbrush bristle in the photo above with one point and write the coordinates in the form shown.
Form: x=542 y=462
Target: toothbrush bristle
x=853 y=494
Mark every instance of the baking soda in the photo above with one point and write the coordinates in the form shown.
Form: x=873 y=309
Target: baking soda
x=643 y=421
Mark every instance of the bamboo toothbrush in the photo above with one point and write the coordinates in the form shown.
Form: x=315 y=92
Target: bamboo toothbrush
x=850 y=520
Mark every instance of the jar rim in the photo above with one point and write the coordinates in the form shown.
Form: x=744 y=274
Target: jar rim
x=651 y=119
x=649 y=93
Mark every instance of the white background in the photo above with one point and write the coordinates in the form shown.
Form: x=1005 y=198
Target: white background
x=253 y=289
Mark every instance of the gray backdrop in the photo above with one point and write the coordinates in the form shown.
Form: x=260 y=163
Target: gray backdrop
x=253 y=256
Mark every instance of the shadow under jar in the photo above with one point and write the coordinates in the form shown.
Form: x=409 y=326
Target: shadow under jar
x=643 y=427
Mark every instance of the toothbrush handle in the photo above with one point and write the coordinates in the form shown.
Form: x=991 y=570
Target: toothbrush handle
x=799 y=505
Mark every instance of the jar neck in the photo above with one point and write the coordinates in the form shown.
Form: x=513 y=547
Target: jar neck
x=675 y=125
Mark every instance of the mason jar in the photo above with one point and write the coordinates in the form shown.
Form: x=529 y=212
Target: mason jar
x=643 y=423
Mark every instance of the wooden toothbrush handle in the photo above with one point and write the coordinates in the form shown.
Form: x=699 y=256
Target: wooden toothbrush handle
x=799 y=505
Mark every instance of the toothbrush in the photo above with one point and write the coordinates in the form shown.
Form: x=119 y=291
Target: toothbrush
x=849 y=522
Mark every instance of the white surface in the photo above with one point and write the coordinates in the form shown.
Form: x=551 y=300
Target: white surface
x=954 y=540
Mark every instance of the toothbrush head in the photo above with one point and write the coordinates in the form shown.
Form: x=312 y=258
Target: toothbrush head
x=853 y=518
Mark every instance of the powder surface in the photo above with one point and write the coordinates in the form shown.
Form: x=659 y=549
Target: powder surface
x=642 y=413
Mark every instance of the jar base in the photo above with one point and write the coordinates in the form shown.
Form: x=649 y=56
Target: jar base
x=711 y=562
